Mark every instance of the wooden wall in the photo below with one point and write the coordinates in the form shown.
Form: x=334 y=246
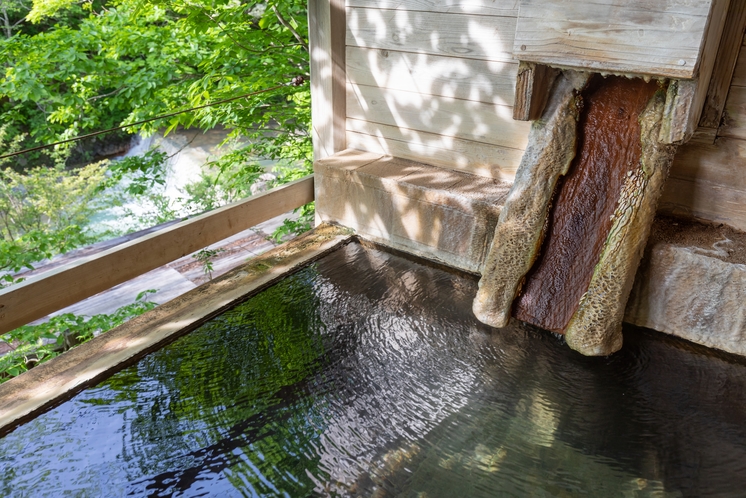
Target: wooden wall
x=434 y=81
x=708 y=177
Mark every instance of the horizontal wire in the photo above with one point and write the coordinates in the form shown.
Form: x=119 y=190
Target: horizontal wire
x=297 y=81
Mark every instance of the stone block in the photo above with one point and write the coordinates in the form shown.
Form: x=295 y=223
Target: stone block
x=684 y=293
x=435 y=213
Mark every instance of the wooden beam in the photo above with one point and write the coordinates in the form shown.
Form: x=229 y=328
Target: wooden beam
x=445 y=116
x=661 y=38
x=464 y=36
x=532 y=86
x=467 y=79
x=686 y=98
x=734 y=119
x=725 y=64
x=477 y=158
x=326 y=21
x=505 y=8
x=61 y=287
x=708 y=182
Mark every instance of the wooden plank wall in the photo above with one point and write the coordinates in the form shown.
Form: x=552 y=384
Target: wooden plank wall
x=433 y=81
x=708 y=177
x=661 y=38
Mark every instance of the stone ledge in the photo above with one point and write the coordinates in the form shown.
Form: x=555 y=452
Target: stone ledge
x=439 y=214
x=688 y=284
x=693 y=286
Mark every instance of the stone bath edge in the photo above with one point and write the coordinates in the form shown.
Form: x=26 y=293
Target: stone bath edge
x=678 y=290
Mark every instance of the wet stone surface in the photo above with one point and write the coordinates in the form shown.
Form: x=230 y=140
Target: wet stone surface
x=366 y=374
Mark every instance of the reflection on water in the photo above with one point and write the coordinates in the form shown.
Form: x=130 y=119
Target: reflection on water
x=366 y=374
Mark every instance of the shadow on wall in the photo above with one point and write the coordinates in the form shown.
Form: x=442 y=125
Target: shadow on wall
x=441 y=214
x=432 y=82
x=435 y=86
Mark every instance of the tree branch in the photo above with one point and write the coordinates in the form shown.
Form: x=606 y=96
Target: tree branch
x=92 y=99
x=288 y=26
x=6 y=22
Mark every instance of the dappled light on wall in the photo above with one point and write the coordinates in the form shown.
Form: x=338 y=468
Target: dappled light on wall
x=434 y=86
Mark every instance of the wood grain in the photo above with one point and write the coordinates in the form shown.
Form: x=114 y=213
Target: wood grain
x=533 y=83
x=468 y=36
x=481 y=7
x=708 y=57
x=703 y=135
x=41 y=295
x=723 y=163
x=708 y=182
x=662 y=38
x=490 y=161
x=338 y=19
x=327 y=65
x=725 y=63
x=464 y=119
x=734 y=117
x=739 y=73
x=705 y=201
x=469 y=79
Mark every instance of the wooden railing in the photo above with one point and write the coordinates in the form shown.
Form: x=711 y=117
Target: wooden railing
x=43 y=294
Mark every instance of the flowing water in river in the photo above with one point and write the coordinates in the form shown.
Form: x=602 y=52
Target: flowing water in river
x=366 y=374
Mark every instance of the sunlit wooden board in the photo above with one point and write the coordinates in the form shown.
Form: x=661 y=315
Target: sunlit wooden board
x=476 y=121
x=490 y=161
x=483 y=7
x=469 y=36
x=468 y=79
x=656 y=37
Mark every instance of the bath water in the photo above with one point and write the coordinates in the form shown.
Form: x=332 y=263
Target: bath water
x=366 y=374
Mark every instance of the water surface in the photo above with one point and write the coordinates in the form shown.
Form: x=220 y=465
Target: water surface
x=366 y=374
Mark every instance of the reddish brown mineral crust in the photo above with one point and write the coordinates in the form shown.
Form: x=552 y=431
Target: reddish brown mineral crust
x=608 y=148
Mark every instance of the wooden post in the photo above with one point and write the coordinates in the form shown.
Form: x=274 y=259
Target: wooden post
x=532 y=86
x=326 y=33
x=725 y=64
x=686 y=98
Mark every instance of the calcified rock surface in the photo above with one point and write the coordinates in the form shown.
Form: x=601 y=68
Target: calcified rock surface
x=595 y=326
x=520 y=227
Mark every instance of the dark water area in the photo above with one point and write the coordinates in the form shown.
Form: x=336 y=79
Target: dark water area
x=366 y=374
x=581 y=215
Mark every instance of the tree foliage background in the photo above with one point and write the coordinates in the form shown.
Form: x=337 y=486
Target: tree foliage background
x=72 y=67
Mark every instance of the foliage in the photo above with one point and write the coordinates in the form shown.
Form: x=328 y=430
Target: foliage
x=34 y=246
x=72 y=68
x=36 y=344
x=121 y=61
x=205 y=258
x=296 y=227
x=141 y=173
x=49 y=199
x=45 y=211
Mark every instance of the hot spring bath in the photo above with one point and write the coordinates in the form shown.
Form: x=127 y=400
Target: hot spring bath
x=365 y=373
